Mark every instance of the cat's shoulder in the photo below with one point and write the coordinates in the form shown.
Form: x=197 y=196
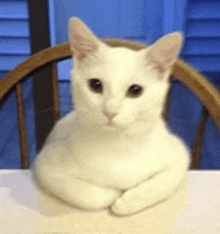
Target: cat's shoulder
x=62 y=128
x=69 y=118
x=180 y=151
x=171 y=144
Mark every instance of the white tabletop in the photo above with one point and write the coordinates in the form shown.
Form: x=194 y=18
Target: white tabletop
x=194 y=208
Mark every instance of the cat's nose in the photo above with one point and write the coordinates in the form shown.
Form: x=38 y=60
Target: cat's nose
x=110 y=115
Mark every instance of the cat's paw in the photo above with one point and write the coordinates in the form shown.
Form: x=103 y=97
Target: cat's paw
x=120 y=208
x=129 y=203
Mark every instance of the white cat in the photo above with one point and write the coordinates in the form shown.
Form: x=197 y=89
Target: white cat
x=115 y=150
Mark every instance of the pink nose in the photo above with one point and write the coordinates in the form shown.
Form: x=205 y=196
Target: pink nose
x=110 y=115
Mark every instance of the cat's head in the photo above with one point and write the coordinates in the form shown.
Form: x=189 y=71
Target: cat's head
x=119 y=88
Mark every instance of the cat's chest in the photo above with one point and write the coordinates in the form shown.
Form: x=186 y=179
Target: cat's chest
x=118 y=162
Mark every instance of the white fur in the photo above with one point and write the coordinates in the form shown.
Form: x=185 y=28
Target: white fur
x=129 y=166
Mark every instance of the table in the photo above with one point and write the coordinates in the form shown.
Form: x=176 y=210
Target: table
x=194 y=208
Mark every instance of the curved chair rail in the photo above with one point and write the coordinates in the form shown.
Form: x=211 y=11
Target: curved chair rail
x=203 y=89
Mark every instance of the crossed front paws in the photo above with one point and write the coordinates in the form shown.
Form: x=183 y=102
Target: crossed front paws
x=129 y=203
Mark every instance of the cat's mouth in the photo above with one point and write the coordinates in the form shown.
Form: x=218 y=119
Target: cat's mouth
x=110 y=123
x=115 y=124
x=110 y=126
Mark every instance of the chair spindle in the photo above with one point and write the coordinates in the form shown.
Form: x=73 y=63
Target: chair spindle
x=168 y=102
x=22 y=128
x=198 y=146
x=55 y=90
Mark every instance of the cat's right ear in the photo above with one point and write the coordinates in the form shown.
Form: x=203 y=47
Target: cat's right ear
x=82 y=41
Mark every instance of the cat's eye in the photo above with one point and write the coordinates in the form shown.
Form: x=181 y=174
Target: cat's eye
x=95 y=85
x=134 y=91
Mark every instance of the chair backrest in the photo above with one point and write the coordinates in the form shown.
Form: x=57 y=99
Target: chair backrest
x=196 y=82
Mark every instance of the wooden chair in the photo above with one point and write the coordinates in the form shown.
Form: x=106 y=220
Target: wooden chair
x=197 y=83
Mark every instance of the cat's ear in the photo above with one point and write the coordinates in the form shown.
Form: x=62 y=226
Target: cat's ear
x=82 y=41
x=165 y=51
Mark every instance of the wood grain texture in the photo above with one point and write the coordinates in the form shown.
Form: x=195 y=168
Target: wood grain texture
x=55 y=91
x=22 y=128
x=198 y=146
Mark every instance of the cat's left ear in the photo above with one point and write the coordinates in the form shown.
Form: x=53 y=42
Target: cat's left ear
x=165 y=51
x=82 y=40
